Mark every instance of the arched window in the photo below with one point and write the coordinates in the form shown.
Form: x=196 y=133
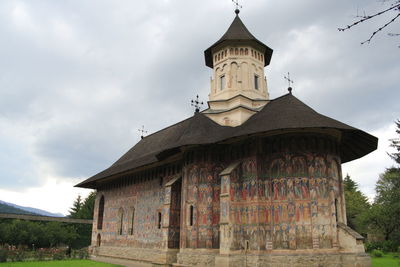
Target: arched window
x=191 y=215
x=132 y=221
x=98 y=241
x=120 y=221
x=222 y=82
x=159 y=220
x=336 y=210
x=256 y=82
x=100 y=214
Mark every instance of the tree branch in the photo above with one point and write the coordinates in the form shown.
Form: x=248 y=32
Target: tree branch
x=380 y=29
x=364 y=18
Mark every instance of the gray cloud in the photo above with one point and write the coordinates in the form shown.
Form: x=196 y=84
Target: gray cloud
x=78 y=78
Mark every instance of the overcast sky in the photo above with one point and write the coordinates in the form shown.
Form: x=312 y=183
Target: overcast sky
x=79 y=78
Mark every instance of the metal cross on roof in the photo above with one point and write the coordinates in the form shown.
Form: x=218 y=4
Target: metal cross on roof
x=289 y=82
x=142 y=132
x=196 y=104
x=236 y=2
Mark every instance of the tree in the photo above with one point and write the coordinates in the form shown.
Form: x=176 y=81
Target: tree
x=396 y=144
x=385 y=212
x=384 y=215
x=390 y=6
x=85 y=211
x=357 y=205
x=76 y=207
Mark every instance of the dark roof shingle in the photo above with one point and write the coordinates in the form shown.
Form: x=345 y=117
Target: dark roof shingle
x=284 y=113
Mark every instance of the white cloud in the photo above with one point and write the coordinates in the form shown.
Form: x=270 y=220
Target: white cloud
x=366 y=171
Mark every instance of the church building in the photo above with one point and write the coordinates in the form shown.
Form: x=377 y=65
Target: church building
x=250 y=181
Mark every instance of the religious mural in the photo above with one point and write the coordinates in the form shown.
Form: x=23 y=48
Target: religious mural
x=283 y=201
x=203 y=190
x=276 y=200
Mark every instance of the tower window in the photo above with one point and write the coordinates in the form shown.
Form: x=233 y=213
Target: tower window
x=256 y=82
x=222 y=82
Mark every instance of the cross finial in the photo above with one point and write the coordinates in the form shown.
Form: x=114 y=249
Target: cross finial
x=196 y=104
x=289 y=82
x=236 y=2
x=142 y=132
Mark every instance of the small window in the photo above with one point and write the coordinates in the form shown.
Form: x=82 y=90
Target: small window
x=159 y=220
x=100 y=214
x=336 y=210
x=132 y=221
x=120 y=221
x=256 y=82
x=222 y=82
x=191 y=215
x=98 y=240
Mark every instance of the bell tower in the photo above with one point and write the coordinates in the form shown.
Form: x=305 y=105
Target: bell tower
x=238 y=87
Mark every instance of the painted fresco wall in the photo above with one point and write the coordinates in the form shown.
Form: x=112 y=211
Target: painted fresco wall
x=285 y=197
x=142 y=200
x=201 y=189
x=282 y=193
x=174 y=212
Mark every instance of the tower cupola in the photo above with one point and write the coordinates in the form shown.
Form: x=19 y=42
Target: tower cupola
x=238 y=87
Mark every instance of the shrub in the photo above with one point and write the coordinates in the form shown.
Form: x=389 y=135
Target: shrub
x=59 y=255
x=389 y=246
x=370 y=246
x=377 y=253
x=74 y=254
x=20 y=255
x=39 y=255
x=83 y=253
x=3 y=255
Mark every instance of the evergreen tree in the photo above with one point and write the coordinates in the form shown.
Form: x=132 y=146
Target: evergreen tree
x=396 y=144
x=357 y=205
x=76 y=207
x=85 y=211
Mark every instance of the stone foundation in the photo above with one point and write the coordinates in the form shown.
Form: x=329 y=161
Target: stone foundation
x=155 y=256
x=197 y=257
x=210 y=259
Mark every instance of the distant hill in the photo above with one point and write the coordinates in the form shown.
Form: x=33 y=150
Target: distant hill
x=6 y=207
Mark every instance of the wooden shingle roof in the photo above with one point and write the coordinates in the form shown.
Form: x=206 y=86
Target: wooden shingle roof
x=281 y=114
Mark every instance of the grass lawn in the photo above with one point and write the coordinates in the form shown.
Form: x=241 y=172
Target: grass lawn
x=65 y=263
x=387 y=260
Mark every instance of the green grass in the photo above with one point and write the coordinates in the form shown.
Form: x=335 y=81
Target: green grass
x=387 y=260
x=65 y=263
